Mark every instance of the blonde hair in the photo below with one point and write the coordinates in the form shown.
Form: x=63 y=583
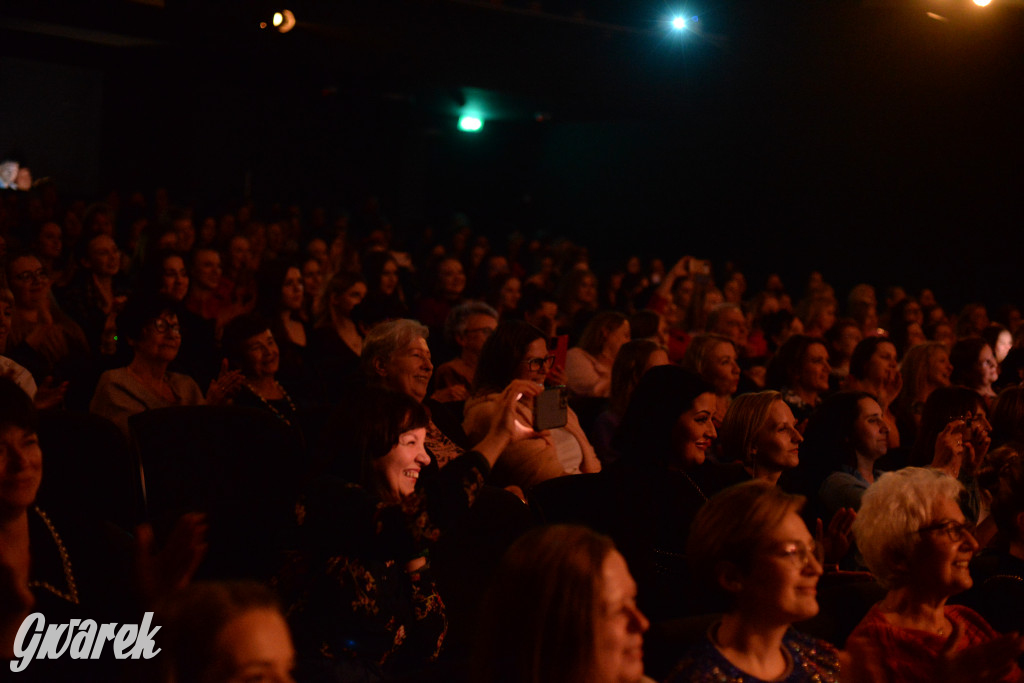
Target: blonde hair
x=747 y=415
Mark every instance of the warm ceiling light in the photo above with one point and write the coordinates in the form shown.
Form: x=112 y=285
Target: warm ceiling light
x=283 y=21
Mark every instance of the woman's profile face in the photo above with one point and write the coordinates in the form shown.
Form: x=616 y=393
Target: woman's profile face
x=619 y=625
x=694 y=432
x=533 y=365
x=255 y=646
x=986 y=369
x=174 y=278
x=777 y=443
x=939 y=368
x=292 y=290
x=346 y=302
x=21 y=469
x=399 y=470
x=389 y=278
x=814 y=369
x=721 y=370
x=882 y=366
x=938 y=565
x=870 y=434
x=511 y=292
x=1004 y=342
x=782 y=583
x=616 y=338
x=260 y=355
x=312 y=277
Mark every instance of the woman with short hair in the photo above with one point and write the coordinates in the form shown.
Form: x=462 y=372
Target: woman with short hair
x=750 y=548
x=915 y=540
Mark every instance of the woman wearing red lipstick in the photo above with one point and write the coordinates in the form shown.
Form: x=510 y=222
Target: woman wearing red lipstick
x=660 y=482
x=750 y=548
x=915 y=540
x=363 y=605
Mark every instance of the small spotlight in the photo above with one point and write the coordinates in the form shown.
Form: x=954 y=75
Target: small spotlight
x=283 y=21
x=678 y=23
x=982 y=3
x=470 y=124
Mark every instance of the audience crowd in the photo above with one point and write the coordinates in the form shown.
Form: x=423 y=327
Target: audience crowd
x=780 y=484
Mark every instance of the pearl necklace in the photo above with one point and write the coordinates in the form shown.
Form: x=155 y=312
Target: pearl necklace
x=270 y=407
x=65 y=560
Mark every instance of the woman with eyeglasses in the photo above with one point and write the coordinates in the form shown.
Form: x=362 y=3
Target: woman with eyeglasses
x=150 y=325
x=917 y=543
x=749 y=547
x=518 y=350
x=468 y=326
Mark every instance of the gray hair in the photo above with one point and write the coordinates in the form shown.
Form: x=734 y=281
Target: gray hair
x=458 y=318
x=386 y=339
x=893 y=509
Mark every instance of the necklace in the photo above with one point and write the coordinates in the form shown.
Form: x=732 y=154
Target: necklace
x=694 y=484
x=270 y=406
x=69 y=577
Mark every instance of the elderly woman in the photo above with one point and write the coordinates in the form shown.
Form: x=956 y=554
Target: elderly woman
x=363 y=605
x=800 y=370
x=588 y=366
x=561 y=609
x=250 y=346
x=469 y=326
x=760 y=432
x=750 y=548
x=396 y=356
x=915 y=540
x=714 y=358
x=518 y=351
x=150 y=324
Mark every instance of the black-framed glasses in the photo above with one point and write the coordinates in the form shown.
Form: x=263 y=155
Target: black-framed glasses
x=540 y=364
x=956 y=531
x=164 y=327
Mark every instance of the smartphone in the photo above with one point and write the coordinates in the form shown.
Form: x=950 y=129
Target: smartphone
x=551 y=408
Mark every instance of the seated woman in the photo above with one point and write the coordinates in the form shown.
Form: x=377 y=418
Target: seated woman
x=975 y=367
x=225 y=631
x=924 y=369
x=660 y=481
x=915 y=540
x=337 y=342
x=713 y=357
x=280 y=301
x=844 y=439
x=873 y=369
x=1007 y=416
x=1000 y=339
x=561 y=609
x=385 y=299
x=635 y=358
x=517 y=350
x=588 y=366
x=750 y=548
x=841 y=339
x=800 y=371
x=362 y=603
x=150 y=324
x=250 y=346
x=396 y=356
x=468 y=327
x=759 y=431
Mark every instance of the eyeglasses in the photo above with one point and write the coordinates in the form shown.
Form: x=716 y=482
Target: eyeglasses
x=164 y=327
x=798 y=554
x=955 y=530
x=31 y=276
x=540 y=364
